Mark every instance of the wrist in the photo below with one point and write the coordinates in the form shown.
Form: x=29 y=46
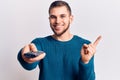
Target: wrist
x=84 y=61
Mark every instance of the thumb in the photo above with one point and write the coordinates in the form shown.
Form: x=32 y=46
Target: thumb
x=85 y=46
x=33 y=47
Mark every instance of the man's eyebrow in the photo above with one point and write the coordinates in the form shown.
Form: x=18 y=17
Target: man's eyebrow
x=55 y=15
x=62 y=14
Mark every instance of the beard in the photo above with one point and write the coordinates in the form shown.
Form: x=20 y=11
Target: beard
x=59 y=34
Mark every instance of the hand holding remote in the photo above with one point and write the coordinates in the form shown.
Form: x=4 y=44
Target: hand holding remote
x=32 y=54
x=29 y=53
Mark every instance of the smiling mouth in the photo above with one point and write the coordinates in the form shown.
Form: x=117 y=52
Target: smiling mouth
x=58 y=25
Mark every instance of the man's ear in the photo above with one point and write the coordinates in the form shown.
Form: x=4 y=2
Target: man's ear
x=71 y=18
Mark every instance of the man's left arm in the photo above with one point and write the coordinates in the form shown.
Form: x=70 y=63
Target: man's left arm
x=86 y=63
x=86 y=71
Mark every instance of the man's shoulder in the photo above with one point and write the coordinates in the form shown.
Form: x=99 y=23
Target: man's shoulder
x=41 y=38
x=81 y=39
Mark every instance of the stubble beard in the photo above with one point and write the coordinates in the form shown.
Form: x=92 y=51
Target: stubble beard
x=60 y=34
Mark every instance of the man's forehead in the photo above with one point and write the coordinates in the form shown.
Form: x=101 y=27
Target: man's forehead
x=59 y=10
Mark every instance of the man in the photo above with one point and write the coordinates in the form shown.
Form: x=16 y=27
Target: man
x=67 y=56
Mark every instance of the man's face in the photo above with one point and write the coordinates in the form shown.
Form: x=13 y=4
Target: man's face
x=60 y=20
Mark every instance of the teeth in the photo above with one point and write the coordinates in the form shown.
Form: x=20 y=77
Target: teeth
x=58 y=26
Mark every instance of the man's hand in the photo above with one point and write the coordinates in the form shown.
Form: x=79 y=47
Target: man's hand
x=88 y=50
x=28 y=48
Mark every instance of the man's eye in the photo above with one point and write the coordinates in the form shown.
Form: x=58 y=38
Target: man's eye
x=62 y=16
x=52 y=17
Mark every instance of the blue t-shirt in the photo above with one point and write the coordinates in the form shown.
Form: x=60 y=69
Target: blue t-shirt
x=62 y=60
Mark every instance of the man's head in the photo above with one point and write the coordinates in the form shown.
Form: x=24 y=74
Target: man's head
x=60 y=17
x=60 y=4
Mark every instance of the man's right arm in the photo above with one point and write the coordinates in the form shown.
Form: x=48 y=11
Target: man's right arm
x=29 y=63
x=26 y=65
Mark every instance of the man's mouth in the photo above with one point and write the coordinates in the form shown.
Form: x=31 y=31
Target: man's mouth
x=58 y=25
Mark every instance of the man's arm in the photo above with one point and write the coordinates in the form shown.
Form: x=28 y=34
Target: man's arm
x=86 y=71
x=86 y=65
x=29 y=63
x=26 y=65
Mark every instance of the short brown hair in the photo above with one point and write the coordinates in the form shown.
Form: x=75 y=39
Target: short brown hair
x=59 y=4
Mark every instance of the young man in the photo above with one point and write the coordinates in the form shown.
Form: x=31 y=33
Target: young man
x=67 y=56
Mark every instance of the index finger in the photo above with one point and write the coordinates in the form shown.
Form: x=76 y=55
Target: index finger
x=97 y=41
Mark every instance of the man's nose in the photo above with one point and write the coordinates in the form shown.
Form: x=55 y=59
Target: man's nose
x=58 y=20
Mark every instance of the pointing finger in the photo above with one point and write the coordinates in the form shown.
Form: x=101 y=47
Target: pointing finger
x=97 y=41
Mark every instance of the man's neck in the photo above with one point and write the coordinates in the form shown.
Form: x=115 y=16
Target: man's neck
x=65 y=37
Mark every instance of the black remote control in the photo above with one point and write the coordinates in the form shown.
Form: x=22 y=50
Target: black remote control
x=32 y=54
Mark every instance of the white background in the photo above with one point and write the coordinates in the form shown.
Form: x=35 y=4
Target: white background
x=23 y=20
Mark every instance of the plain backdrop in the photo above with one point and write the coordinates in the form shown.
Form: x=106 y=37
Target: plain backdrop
x=23 y=20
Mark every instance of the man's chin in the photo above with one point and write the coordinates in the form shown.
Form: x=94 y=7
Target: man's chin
x=58 y=34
